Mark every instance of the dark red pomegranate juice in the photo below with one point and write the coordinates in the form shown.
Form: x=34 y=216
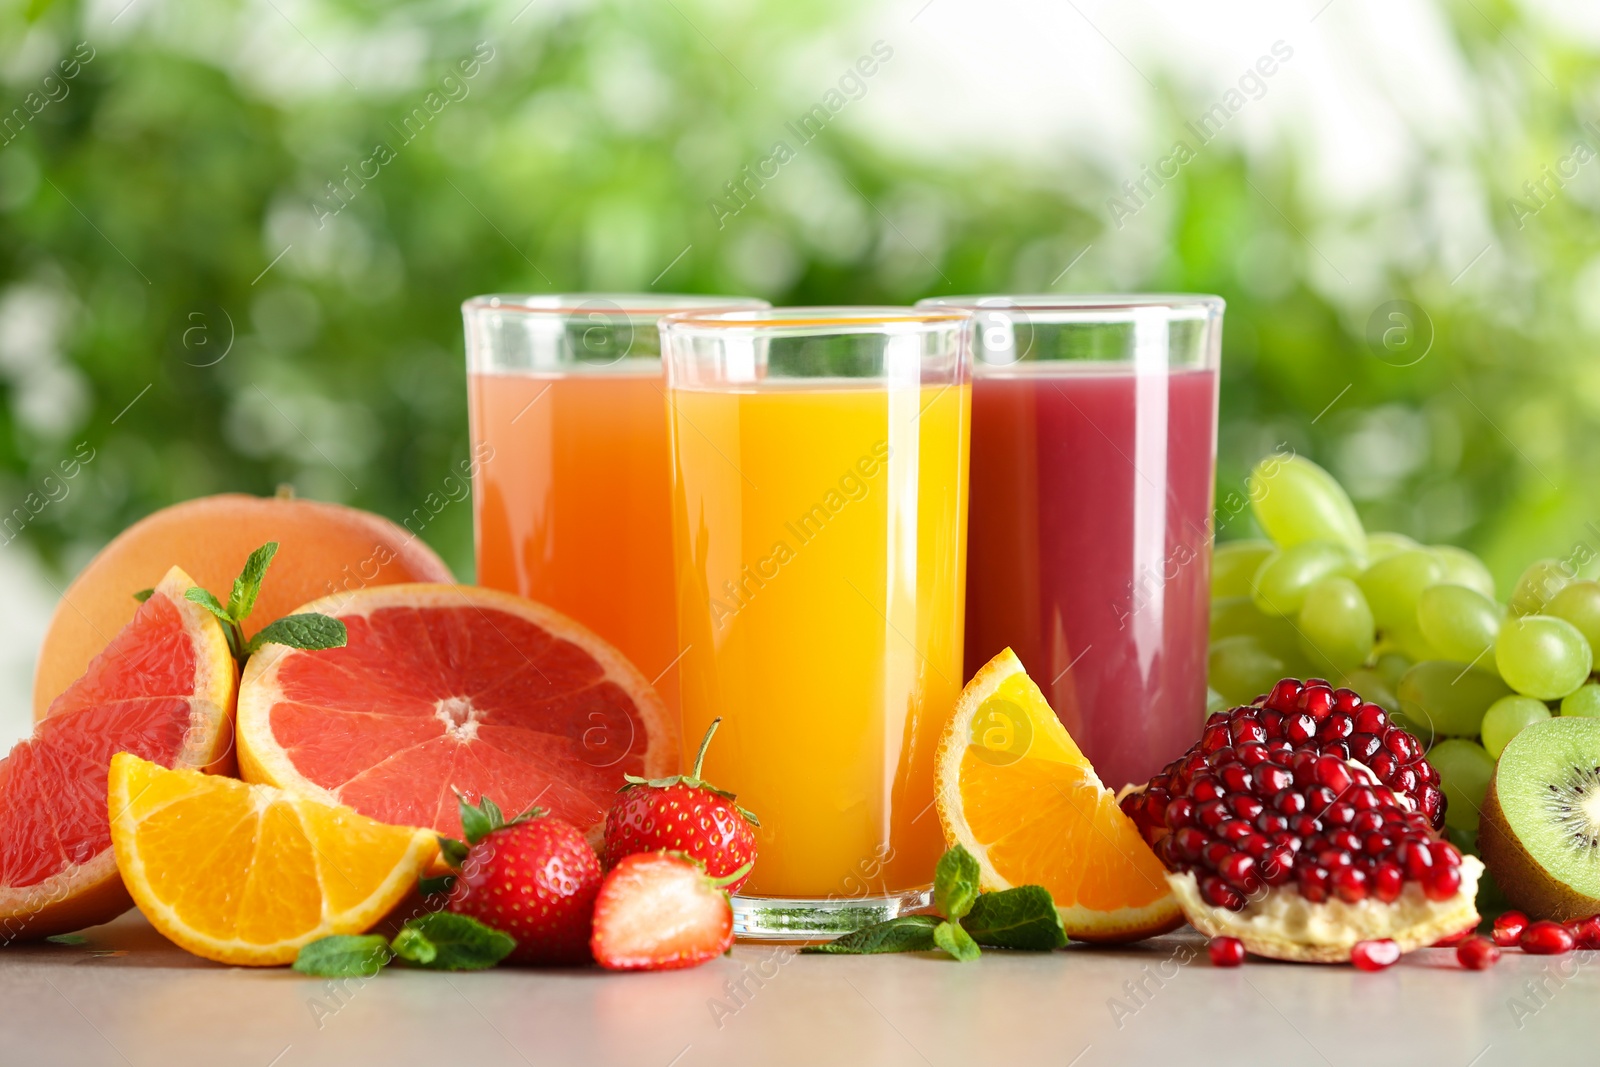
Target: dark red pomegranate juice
x=1089 y=549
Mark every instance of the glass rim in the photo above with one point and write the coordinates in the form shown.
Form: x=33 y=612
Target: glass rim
x=834 y=318
x=633 y=305
x=1086 y=305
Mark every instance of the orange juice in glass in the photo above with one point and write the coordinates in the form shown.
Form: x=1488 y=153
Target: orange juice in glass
x=819 y=463
x=571 y=497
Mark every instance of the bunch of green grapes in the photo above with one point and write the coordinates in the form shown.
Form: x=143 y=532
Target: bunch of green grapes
x=1415 y=628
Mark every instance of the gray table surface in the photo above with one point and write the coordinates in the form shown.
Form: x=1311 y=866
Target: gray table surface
x=127 y=996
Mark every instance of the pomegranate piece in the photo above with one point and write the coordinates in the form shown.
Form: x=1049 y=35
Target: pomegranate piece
x=1586 y=932
x=1546 y=938
x=1225 y=951
x=1374 y=955
x=1477 y=953
x=1508 y=928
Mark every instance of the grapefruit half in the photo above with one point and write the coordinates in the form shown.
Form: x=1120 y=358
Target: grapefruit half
x=446 y=688
x=164 y=690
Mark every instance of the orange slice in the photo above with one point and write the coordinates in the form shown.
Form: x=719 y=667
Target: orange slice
x=246 y=874
x=1017 y=793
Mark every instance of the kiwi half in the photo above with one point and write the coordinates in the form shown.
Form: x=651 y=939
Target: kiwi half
x=1540 y=831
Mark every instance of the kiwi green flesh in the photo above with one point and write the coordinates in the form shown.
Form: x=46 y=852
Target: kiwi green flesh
x=1540 y=831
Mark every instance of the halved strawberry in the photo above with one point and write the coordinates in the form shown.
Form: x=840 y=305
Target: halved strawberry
x=660 y=911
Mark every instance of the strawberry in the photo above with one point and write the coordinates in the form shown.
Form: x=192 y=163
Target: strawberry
x=534 y=878
x=659 y=911
x=686 y=814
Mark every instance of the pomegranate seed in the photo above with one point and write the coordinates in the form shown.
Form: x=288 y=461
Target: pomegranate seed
x=1225 y=951
x=1236 y=778
x=1246 y=806
x=1206 y=787
x=1331 y=772
x=1371 y=719
x=1335 y=727
x=1376 y=844
x=1344 y=839
x=1384 y=765
x=1417 y=858
x=1284 y=695
x=1319 y=798
x=1280 y=751
x=1305 y=825
x=1243 y=729
x=1546 y=938
x=1337 y=749
x=1302 y=763
x=1252 y=753
x=1405 y=780
x=1387 y=882
x=1446 y=853
x=1316 y=701
x=1214 y=738
x=1289 y=803
x=1402 y=744
x=1365 y=822
x=1277 y=864
x=1346 y=700
x=1364 y=799
x=1179 y=813
x=1429 y=771
x=1433 y=805
x=1270 y=822
x=1189 y=842
x=1240 y=871
x=1212 y=814
x=1270 y=779
x=1215 y=852
x=1350 y=883
x=1221 y=757
x=1224 y=717
x=1586 y=932
x=1220 y=894
x=1334 y=857
x=1364 y=746
x=1452 y=940
x=1313 y=883
x=1256 y=845
x=1272 y=723
x=1323 y=682
x=1299 y=728
x=1508 y=928
x=1234 y=831
x=1477 y=954
x=1340 y=814
x=1374 y=955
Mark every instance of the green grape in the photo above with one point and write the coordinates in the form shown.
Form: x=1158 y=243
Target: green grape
x=1297 y=501
x=1463 y=568
x=1214 y=702
x=1236 y=615
x=1579 y=604
x=1584 y=700
x=1240 y=670
x=1283 y=579
x=1464 y=773
x=1460 y=622
x=1383 y=544
x=1408 y=641
x=1393 y=584
x=1448 y=698
x=1372 y=686
x=1505 y=719
x=1542 y=580
x=1234 y=565
x=1391 y=667
x=1336 y=625
x=1541 y=656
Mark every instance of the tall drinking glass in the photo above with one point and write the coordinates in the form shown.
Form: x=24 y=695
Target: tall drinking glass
x=819 y=484
x=1094 y=429
x=571 y=500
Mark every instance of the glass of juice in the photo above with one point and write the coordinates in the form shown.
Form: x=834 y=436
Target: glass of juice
x=819 y=496
x=571 y=498
x=1094 y=429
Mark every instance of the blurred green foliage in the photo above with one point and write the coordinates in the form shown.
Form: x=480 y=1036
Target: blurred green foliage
x=173 y=205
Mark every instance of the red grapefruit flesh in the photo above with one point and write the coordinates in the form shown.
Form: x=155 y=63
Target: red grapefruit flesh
x=164 y=689
x=447 y=688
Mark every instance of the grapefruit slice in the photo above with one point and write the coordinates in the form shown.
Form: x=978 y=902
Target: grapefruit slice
x=1015 y=790
x=444 y=689
x=163 y=688
x=247 y=874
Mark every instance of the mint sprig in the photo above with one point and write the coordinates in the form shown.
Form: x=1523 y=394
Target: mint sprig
x=1020 y=918
x=437 y=941
x=310 y=631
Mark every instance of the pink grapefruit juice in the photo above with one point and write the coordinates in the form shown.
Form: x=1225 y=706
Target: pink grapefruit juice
x=1089 y=548
x=574 y=503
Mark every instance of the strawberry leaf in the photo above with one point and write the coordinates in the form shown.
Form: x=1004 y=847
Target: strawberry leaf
x=453 y=851
x=144 y=594
x=955 y=883
x=310 y=631
x=247 y=586
x=445 y=941
x=476 y=823
x=344 y=956
x=432 y=887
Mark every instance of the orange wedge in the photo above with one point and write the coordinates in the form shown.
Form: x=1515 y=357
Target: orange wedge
x=247 y=874
x=1016 y=792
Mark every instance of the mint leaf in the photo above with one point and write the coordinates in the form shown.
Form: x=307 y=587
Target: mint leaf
x=908 y=933
x=247 y=586
x=955 y=883
x=432 y=887
x=144 y=594
x=344 y=956
x=1022 y=918
x=196 y=595
x=310 y=631
x=457 y=943
x=956 y=941
x=67 y=939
